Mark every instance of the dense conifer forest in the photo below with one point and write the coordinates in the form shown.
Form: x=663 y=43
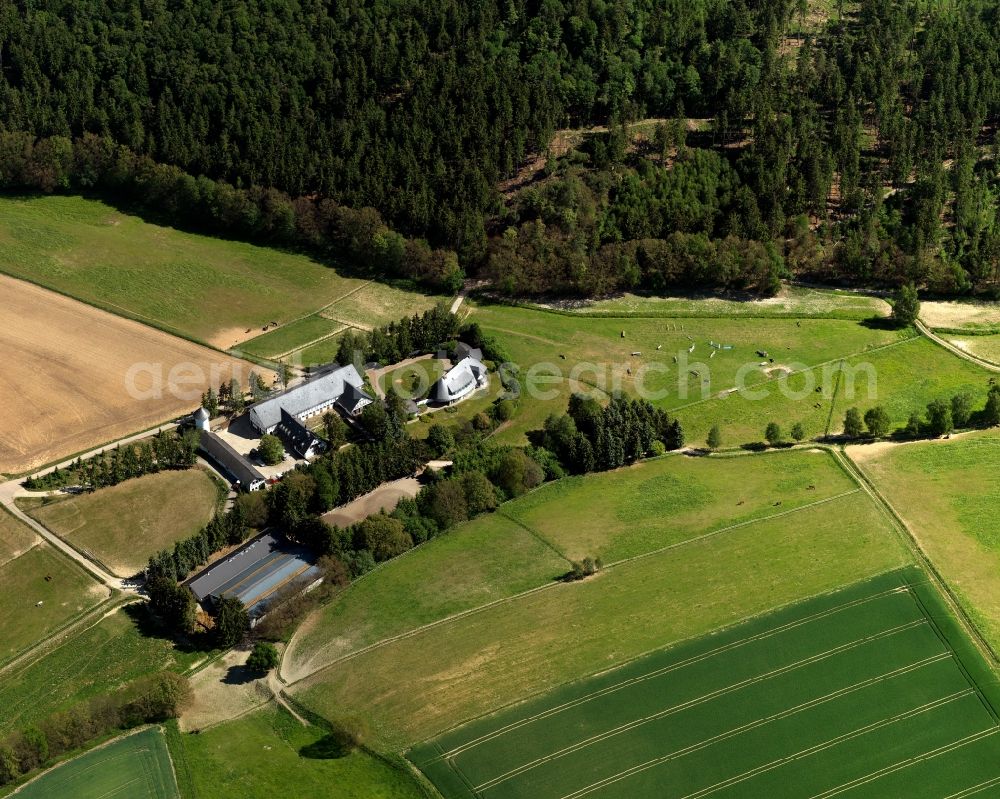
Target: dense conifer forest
x=836 y=140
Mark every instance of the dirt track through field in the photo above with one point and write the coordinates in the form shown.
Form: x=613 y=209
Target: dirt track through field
x=67 y=368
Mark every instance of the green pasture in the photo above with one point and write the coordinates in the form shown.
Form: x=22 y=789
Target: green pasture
x=206 y=288
x=457 y=416
x=318 y=354
x=531 y=541
x=42 y=590
x=902 y=378
x=96 y=661
x=415 y=687
x=134 y=767
x=660 y=502
x=948 y=492
x=267 y=754
x=590 y=354
x=488 y=559
x=295 y=335
x=820 y=368
x=122 y=526
x=15 y=537
x=852 y=690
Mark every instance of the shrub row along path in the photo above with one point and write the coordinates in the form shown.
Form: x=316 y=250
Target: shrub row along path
x=12 y=490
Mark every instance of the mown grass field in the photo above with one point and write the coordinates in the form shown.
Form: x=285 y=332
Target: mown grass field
x=267 y=754
x=792 y=302
x=15 y=538
x=411 y=688
x=869 y=690
x=985 y=347
x=657 y=503
x=481 y=562
x=41 y=575
x=530 y=542
x=948 y=492
x=93 y=662
x=377 y=304
x=800 y=385
x=122 y=526
x=322 y=352
x=295 y=335
x=457 y=416
x=135 y=767
x=214 y=290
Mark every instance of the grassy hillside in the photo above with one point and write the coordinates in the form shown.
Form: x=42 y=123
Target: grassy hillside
x=210 y=289
x=42 y=590
x=125 y=524
x=411 y=687
x=948 y=492
x=118 y=649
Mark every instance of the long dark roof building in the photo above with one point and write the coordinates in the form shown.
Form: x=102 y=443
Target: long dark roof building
x=254 y=573
x=297 y=437
x=241 y=473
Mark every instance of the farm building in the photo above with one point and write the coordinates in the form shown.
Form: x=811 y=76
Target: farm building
x=299 y=439
x=341 y=388
x=458 y=382
x=241 y=473
x=463 y=351
x=254 y=573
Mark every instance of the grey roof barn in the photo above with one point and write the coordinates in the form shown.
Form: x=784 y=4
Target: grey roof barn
x=240 y=471
x=312 y=397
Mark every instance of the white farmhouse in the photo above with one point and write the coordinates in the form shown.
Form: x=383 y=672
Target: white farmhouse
x=458 y=382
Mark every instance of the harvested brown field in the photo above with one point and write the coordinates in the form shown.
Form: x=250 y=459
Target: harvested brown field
x=75 y=377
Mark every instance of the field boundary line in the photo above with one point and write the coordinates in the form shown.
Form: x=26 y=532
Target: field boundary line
x=78 y=624
x=912 y=543
x=731 y=527
x=322 y=338
x=552 y=585
x=727 y=734
x=974 y=789
x=723 y=628
x=534 y=534
x=833 y=400
x=957 y=351
x=683 y=664
x=904 y=764
x=801 y=754
x=320 y=310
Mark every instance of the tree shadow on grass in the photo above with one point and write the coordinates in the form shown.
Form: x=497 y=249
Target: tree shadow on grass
x=880 y=323
x=150 y=627
x=332 y=746
x=240 y=675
